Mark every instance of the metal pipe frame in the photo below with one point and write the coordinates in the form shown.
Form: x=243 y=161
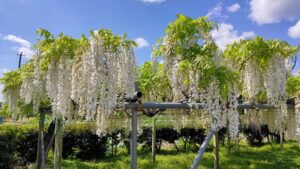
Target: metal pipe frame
x=202 y=149
x=137 y=106
x=133 y=145
x=170 y=105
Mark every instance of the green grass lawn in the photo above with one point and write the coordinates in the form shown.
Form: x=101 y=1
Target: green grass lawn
x=264 y=157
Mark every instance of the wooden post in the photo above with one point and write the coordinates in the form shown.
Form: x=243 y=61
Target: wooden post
x=58 y=142
x=281 y=140
x=228 y=138
x=281 y=135
x=238 y=142
x=153 y=139
x=40 y=159
x=216 y=151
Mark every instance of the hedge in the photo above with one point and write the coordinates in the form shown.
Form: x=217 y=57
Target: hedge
x=18 y=144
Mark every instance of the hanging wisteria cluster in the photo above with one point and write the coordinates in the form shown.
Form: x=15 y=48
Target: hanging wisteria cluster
x=252 y=80
x=91 y=82
x=33 y=91
x=104 y=76
x=275 y=80
x=272 y=80
x=88 y=78
x=171 y=64
x=193 y=63
x=214 y=106
x=11 y=89
x=232 y=113
x=11 y=96
x=264 y=71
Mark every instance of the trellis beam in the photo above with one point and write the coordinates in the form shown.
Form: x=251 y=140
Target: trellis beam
x=170 y=105
x=133 y=145
x=137 y=105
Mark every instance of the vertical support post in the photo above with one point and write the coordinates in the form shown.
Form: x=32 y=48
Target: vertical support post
x=216 y=151
x=228 y=138
x=153 y=139
x=58 y=142
x=40 y=160
x=281 y=135
x=281 y=140
x=133 y=145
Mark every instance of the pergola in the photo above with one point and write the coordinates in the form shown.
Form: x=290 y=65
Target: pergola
x=135 y=104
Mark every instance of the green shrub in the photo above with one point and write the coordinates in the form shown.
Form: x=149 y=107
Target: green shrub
x=7 y=147
x=81 y=141
x=18 y=144
x=4 y=111
x=26 y=147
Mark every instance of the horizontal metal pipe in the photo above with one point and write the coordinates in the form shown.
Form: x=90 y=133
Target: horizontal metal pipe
x=170 y=105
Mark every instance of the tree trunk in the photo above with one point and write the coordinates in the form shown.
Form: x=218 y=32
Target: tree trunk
x=112 y=146
x=216 y=151
x=176 y=147
x=229 y=144
x=153 y=139
x=58 y=142
x=116 y=150
x=40 y=159
x=281 y=140
x=184 y=146
x=228 y=138
x=159 y=146
x=269 y=141
x=238 y=142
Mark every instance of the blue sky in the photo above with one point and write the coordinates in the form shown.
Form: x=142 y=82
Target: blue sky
x=143 y=20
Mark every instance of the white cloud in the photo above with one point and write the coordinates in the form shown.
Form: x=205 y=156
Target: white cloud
x=141 y=42
x=5 y=70
x=234 y=7
x=216 y=11
x=1 y=96
x=294 y=31
x=18 y=40
x=153 y=1
x=226 y=35
x=24 y=45
x=273 y=11
x=28 y=53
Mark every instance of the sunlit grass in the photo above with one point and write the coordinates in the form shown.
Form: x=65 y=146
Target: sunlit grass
x=264 y=157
